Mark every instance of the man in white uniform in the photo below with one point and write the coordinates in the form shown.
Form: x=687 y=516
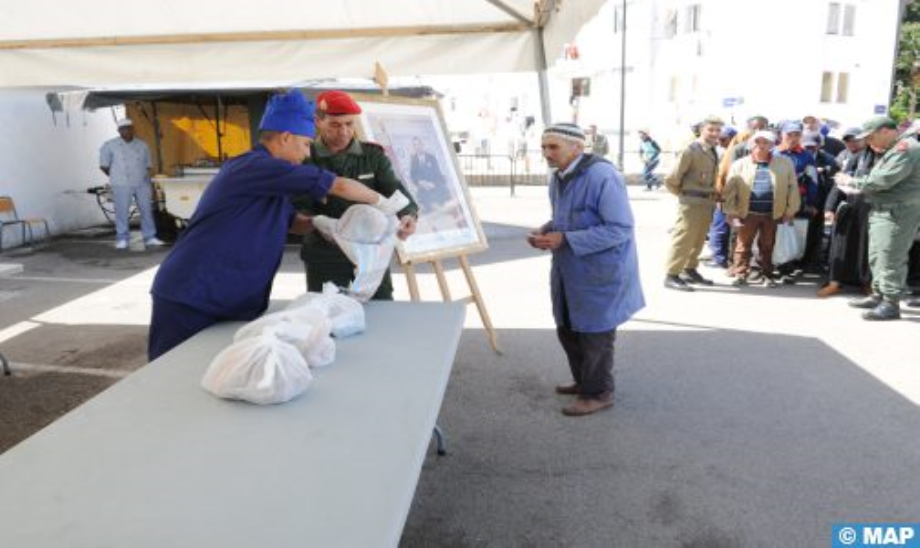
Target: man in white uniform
x=126 y=160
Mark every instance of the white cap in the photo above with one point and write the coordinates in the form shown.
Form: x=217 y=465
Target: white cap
x=124 y=122
x=764 y=134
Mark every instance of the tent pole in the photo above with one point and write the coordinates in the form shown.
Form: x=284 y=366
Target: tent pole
x=621 y=151
x=157 y=136
x=543 y=78
x=220 y=151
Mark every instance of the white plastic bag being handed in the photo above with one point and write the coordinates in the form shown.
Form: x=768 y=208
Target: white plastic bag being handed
x=261 y=370
x=787 y=246
x=346 y=313
x=367 y=236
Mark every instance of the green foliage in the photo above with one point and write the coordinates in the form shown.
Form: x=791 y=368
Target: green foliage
x=907 y=66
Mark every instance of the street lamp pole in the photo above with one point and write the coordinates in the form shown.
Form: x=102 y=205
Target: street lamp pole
x=622 y=148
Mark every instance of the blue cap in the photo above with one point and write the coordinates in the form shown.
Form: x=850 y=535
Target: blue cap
x=790 y=127
x=728 y=132
x=289 y=112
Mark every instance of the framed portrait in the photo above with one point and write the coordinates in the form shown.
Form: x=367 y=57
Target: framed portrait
x=415 y=138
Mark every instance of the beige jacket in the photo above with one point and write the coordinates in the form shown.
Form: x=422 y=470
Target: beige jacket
x=737 y=192
x=693 y=179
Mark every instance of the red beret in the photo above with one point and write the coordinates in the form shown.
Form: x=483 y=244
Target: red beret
x=337 y=103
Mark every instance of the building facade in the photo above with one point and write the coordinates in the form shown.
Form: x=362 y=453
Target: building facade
x=686 y=59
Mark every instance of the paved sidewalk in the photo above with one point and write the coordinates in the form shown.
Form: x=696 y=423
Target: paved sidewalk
x=752 y=417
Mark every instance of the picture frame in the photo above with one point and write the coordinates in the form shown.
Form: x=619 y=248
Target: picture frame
x=415 y=138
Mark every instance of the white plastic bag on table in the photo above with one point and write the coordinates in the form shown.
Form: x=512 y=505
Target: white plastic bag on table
x=787 y=247
x=367 y=236
x=307 y=328
x=345 y=313
x=322 y=353
x=261 y=370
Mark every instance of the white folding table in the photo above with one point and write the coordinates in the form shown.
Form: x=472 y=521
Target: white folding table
x=157 y=462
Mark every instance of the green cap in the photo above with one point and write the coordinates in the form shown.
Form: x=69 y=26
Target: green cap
x=872 y=125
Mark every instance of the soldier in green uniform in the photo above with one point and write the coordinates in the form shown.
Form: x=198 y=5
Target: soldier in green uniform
x=337 y=150
x=892 y=189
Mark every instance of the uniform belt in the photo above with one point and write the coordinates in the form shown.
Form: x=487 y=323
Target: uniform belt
x=698 y=194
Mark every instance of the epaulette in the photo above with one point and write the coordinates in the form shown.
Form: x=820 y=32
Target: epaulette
x=372 y=145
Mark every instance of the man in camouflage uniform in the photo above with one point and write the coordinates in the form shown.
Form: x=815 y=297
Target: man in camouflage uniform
x=337 y=150
x=693 y=182
x=892 y=189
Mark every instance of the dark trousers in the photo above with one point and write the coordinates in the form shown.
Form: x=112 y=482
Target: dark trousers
x=763 y=228
x=718 y=236
x=814 y=237
x=590 y=358
x=648 y=175
x=171 y=324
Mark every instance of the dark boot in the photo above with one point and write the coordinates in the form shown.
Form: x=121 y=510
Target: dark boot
x=573 y=389
x=913 y=303
x=886 y=310
x=693 y=277
x=867 y=302
x=675 y=282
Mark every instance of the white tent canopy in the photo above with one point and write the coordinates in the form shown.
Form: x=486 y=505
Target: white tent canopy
x=117 y=42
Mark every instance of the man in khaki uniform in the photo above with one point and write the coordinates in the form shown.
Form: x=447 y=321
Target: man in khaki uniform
x=892 y=189
x=693 y=181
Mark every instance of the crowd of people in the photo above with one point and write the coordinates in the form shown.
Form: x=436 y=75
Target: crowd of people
x=735 y=189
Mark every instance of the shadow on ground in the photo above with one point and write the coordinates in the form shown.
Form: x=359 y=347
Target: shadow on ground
x=56 y=368
x=718 y=438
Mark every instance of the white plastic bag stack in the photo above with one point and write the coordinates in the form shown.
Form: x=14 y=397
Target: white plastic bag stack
x=345 y=313
x=262 y=369
x=270 y=358
x=307 y=328
x=367 y=236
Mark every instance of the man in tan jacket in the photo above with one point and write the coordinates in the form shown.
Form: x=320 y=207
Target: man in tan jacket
x=761 y=189
x=693 y=181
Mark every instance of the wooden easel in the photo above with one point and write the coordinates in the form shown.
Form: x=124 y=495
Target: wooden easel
x=382 y=80
x=475 y=296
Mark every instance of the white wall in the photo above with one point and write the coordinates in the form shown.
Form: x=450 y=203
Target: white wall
x=46 y=166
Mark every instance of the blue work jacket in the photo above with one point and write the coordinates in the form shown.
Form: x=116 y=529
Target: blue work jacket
x=225 y=260
x=595 y=274
x=805 y=171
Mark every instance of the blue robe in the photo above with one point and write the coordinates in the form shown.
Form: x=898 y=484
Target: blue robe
x=225 y=261
x=597 y=270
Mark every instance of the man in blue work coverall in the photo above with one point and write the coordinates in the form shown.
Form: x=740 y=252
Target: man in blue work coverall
x=223 y=265
x=595 y=272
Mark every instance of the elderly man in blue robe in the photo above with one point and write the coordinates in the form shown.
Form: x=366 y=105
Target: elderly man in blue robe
x=595 y=272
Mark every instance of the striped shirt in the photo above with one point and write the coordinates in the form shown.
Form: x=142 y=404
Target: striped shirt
x=762 y=189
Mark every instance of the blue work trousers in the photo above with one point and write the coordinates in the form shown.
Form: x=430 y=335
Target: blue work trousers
x=171 y=324
x=719 y=232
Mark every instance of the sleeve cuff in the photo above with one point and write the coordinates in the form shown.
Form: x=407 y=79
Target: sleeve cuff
x=323 y=184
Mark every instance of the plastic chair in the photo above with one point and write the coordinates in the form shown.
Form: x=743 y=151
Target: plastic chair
x=10 y=217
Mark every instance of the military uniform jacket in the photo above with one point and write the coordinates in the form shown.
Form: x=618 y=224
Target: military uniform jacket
x=693 y=179
x=895 y=177
x=362 y=161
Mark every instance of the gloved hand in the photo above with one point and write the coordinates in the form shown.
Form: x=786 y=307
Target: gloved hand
x=393 y=204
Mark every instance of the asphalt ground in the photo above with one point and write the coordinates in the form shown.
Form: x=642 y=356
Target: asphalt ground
x=743 y=417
